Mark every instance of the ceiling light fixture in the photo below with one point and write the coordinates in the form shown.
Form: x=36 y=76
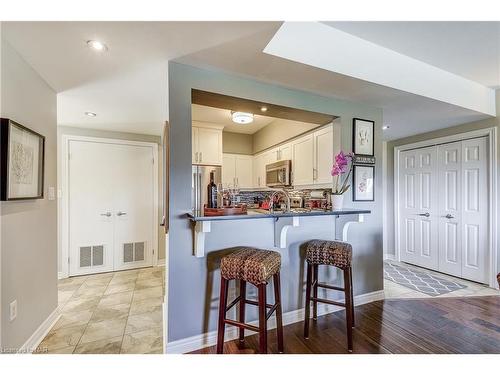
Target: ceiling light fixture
x=385 y=127
x=263 y=109
x=91 y=114
x=242 y=117
x=98 y=46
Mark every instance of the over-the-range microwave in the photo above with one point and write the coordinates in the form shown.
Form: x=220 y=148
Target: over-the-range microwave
x=279 y=173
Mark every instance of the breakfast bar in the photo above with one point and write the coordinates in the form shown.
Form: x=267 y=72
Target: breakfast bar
x=282 y=221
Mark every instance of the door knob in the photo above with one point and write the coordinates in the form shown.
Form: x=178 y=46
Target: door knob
x=426 y=214
x=448 y=216
x=107 y=214
x=120 y=213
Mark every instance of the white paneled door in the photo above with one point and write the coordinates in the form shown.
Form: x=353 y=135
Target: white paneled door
x=111 y=206
x=444 y=208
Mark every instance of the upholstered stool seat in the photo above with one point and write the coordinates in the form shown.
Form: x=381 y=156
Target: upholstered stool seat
x=329 y=253
x=256 y=266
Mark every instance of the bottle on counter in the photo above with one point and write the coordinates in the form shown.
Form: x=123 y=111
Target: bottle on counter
x=212 y=192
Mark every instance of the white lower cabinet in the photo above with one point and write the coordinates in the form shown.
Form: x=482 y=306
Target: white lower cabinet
x=237 y=170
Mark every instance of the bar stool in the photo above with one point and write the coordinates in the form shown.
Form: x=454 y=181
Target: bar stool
x=329 y=253
x=255 y=266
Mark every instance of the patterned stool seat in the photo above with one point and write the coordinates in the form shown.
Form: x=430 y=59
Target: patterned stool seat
x=332 y=253
x=250 y=264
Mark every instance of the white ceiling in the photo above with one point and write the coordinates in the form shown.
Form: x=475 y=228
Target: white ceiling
x=127 y=85
x=221 y=116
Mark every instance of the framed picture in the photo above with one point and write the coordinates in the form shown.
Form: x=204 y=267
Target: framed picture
x=22 y=153
x=362 y=136
x=363 y=183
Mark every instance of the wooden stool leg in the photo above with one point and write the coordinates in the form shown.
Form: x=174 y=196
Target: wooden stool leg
x=243 y=287
x=315 y=292
x=348 y=306
x=279 y=312
x=262 y=319
x=222 y=314
x=308 y=300
x=352 y=296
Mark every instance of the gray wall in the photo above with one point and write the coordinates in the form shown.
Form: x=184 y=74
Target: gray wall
x=66 y=130
x=493 y=122
x=279 y=131
x=237 y=143
x=193 y=284
x=28 y=228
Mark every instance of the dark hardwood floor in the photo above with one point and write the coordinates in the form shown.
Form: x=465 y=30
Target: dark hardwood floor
x=438 y=325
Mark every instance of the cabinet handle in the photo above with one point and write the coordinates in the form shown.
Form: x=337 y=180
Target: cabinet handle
x=196 y=157
x=315 y=174
x=201 y=157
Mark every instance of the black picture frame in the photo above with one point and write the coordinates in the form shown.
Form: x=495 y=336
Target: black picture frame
x=355 y=196
x=6 y=126
x=356 y=122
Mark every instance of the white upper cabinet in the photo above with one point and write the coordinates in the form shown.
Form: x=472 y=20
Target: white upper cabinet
x=259 y=167
x=285 y=152
x=207 y=146
x=323 y=155
x=237 y=170
x=303 y=160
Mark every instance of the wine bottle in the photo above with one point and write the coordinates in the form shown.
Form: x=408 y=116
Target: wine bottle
x=212 y=192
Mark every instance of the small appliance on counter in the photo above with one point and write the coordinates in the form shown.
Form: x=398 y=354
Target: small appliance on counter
x=319 y=200
x=278 y=173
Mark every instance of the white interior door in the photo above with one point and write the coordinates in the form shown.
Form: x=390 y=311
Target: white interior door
x=110 y=203
x=418 y=207
x=475 y=210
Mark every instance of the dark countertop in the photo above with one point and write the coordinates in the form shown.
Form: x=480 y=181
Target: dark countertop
x=259 y=214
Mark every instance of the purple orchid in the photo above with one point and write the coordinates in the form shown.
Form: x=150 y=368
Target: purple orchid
x=342 y=165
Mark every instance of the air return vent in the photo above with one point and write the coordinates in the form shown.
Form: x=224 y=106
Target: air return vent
x=91 y=256
x=133 y=252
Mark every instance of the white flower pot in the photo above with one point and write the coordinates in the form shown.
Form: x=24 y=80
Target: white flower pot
x=337 y=201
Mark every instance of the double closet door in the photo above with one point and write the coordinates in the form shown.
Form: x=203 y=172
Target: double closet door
x=111 y=206
x=443 y=208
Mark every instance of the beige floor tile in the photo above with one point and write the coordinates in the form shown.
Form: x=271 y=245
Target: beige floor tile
x=104 y=275
x=103 y=330
x=65 y=350
x=102 y=281
x=144 y=321
x=146 y=305
x=149 y=341
x=61 y=338
x=80 y=304
x=63 y=296
x=148 y=283
x=123 y=279
x=110 y=312
x=120 y=287
x=105 y=346
x=86 y=291
x=78 y=280
x=116 y=299
x=141 y=294
x=74 y=318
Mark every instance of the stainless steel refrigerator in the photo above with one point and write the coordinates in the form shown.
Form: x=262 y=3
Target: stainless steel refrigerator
x=199 y=185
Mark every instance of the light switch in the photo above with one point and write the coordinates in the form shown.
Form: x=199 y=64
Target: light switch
x=52 y=193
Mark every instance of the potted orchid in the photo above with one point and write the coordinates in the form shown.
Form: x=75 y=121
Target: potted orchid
x=341 y=170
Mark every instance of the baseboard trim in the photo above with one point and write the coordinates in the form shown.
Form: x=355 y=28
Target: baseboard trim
x=36 y=338
x=389 y=257
x=208 y=339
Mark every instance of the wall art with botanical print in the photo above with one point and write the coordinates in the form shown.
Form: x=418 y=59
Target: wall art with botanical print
x=362 y=136
x=363 y=179
x=21 y=162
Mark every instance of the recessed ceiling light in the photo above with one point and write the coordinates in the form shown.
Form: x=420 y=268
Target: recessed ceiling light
x=263 y=109
x=242 y=117
x=98 y=46
x=385 y=127
x=91 y=114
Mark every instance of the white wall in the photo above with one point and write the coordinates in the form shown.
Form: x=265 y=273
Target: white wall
x=28 y=228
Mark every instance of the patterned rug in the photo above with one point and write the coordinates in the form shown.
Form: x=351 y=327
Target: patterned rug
x=419 y=280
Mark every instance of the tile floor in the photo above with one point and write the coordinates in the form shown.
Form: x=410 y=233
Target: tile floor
x=111 y=313
x=394 y=290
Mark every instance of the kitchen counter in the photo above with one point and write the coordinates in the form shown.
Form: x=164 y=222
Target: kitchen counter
x=263 y=214
x=282 y=222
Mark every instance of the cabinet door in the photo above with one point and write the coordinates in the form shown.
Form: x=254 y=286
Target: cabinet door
x=209 y=146
x=258 y=162
x=303 y=160
x=243 y=171
x=228 y=169
x=323 y=155
x=194 y=145
x=285 y=152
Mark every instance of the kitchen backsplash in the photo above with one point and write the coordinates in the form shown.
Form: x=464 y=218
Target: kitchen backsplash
x=249 y=197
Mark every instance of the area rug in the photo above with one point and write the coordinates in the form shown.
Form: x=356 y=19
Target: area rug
x=419 y=280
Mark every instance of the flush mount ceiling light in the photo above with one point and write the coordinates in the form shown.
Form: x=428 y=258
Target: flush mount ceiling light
x=96 y=45
x=385 y=127
x=263 y=108
x=242 y=117
x=91 y=114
